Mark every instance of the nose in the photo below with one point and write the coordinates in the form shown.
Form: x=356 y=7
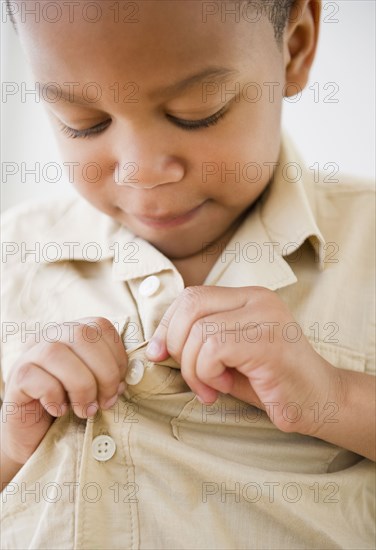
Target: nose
x=145 y=160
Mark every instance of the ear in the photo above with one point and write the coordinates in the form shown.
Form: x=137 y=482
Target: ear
x=300 y=42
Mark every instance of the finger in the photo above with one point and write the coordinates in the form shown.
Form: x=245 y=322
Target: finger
x=191 y=305
x=214 y=373
x=157 y=347
x=190 y=353
x=79 y=382
x=225 y=378
x=242 y=389
x=208 y=362
x=229 y=381
x=32 y=382
x=35 y=392
x=90 y=344
x=112 y=338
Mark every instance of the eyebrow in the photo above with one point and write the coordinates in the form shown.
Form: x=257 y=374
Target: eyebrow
x=217 y=73
x=213 y=73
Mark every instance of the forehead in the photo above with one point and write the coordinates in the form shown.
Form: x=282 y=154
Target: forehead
x=149 y=41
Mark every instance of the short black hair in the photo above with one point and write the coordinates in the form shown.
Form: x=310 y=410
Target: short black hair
x=277 y=11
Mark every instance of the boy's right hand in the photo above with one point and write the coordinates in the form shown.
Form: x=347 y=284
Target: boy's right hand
x=85 y=368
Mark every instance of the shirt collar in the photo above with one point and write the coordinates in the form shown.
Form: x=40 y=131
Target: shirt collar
x=283 y=218
x=83 y=233
x=288 y=207
x=277 y=226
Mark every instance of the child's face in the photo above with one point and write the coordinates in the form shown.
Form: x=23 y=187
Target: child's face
x=165 y=170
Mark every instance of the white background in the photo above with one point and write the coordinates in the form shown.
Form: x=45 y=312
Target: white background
x=342 y=132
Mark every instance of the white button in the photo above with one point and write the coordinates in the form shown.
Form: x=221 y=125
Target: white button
x=149 y=286
x=103 y=447
x=135 y=372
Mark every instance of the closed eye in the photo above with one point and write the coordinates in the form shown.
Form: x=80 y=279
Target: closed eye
x=197 y=124
x=181 y=123
x=89 y=132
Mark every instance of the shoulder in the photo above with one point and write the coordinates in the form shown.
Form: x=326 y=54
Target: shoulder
x=346 y=208
x=345 y=214
x=31 y=219
x=346 y=189
x=40 y=215
x=54 y=221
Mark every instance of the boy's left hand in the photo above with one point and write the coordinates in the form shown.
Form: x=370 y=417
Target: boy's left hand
x=245 y=342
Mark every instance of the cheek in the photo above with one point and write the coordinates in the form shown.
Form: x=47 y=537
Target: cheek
x=90 y=170
x=236 y=166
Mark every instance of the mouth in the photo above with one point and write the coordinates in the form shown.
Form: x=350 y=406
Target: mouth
x=171 y=220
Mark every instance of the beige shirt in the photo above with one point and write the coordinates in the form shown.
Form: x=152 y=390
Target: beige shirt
x=159 y=470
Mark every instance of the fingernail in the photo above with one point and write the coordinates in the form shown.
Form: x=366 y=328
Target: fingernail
x=63 y=409
x=153 y=349
x=121 y=388
x=110 y=402
x=92 y=409
x=204 y=401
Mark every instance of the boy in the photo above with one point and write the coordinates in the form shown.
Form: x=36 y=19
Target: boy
x=192 y=378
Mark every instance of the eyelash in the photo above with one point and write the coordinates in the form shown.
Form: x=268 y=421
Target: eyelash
x=89 y=132
x=184 y=124
x=197 y=124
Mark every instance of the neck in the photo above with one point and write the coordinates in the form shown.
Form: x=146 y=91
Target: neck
x=193 y=270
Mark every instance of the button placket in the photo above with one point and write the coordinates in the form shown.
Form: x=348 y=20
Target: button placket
x=99 y=475
x=153 y=294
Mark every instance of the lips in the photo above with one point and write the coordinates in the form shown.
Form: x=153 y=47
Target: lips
x=169 y=220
